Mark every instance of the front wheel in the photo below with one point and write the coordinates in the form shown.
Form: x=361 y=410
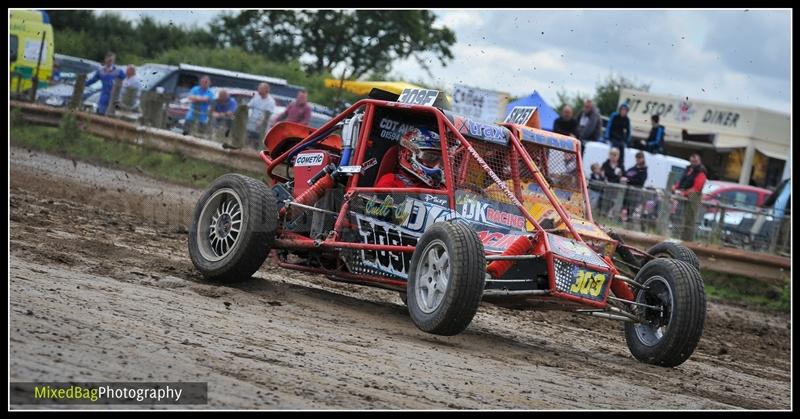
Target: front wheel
x=446 y=279
x=674 y=293
x=233 y=228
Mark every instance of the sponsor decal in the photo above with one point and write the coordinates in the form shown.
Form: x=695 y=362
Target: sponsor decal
x=309 y=159
x=497 y=241
x=380 y=209
x=435 y=199
x=368 y=164
x=474 y=210
x=373 y=231
x=393 y=130
x=487 y=132
x=548 y=139
x=417 y=215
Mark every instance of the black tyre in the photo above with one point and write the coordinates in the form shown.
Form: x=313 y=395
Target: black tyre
x=674 y=250
x=669 y=336
x=623 y=253
x=446 y=279
x=233 y=228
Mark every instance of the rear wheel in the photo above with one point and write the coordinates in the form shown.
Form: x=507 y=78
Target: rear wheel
x=446 y=279
x=674 y=320
x=672 y=250
x=233 y=228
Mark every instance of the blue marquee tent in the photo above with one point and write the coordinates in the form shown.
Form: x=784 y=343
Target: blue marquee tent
x=547 y=115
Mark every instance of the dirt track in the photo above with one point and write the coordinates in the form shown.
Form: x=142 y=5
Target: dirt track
x=98 y=291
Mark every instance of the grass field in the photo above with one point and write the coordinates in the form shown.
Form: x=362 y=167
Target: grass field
x=69 y=142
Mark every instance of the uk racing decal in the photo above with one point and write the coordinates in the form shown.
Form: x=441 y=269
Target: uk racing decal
x=488 y=213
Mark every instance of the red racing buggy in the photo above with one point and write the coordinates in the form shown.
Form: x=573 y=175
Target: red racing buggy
x=396 y=192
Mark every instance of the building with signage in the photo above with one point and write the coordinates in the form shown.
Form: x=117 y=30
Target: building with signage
x=748 y=145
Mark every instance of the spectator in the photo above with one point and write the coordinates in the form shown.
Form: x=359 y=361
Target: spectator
x=564 y=124
x=635 y=176
x=693 y=178
x=589 y=124
x=612 y=170
x=655 y=142
x=223 y=110
x=55 y=76
x=612 y=167
x=261 y=107
x=298 y=111
x=200 y=97
x=106 y=74
x=132 y=81
x=597 y=173
x=618 y=131
x=595 y=191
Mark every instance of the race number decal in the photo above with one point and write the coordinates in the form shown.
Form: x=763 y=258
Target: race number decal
x=588 y=283
x=422 y=97
x=520 y=115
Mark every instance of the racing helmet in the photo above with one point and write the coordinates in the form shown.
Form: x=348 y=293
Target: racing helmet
x=420 y=155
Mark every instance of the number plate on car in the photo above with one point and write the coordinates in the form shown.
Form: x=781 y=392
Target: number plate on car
x=581 y=282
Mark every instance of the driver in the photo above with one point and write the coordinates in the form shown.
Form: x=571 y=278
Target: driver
x=419 y=158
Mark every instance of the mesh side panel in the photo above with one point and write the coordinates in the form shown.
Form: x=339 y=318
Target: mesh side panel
x=469 y=175
x=560 y=169
x=557 y=167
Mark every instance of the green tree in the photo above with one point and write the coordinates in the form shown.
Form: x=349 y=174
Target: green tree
x=606 y=95
x=357 y=42
x=574 y=100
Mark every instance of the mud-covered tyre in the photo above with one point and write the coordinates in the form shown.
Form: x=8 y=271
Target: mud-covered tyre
x=446 y=279
x=670 y=336
x=674 y=250
x=233 y=228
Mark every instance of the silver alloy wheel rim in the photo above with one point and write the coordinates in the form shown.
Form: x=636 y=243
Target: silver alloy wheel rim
x=433 y=276
x=648 y=334
x=220 y=224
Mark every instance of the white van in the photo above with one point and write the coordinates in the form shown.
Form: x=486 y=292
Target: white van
x=659 y=166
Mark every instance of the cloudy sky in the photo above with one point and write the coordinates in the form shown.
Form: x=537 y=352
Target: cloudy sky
x=734 y=56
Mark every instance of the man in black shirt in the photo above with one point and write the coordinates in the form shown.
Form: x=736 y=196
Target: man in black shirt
x=564 y=124
x=635 y=176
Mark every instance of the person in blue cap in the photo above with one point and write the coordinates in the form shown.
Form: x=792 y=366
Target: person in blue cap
x=618 y=131
x=106 y=74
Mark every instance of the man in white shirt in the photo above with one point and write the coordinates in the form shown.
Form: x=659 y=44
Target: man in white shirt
x=261 y=107
x=131 y=81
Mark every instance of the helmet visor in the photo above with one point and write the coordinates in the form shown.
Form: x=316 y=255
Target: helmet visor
x=430 y=158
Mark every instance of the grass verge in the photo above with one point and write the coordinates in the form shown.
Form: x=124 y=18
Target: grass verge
x=739 y=289
x=68 y=142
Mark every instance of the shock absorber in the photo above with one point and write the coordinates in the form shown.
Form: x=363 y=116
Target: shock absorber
x=320 y=183
x=520 y=246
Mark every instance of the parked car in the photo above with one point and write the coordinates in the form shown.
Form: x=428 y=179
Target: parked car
x=749 y=198
x=60 y=94
x=69 y=67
